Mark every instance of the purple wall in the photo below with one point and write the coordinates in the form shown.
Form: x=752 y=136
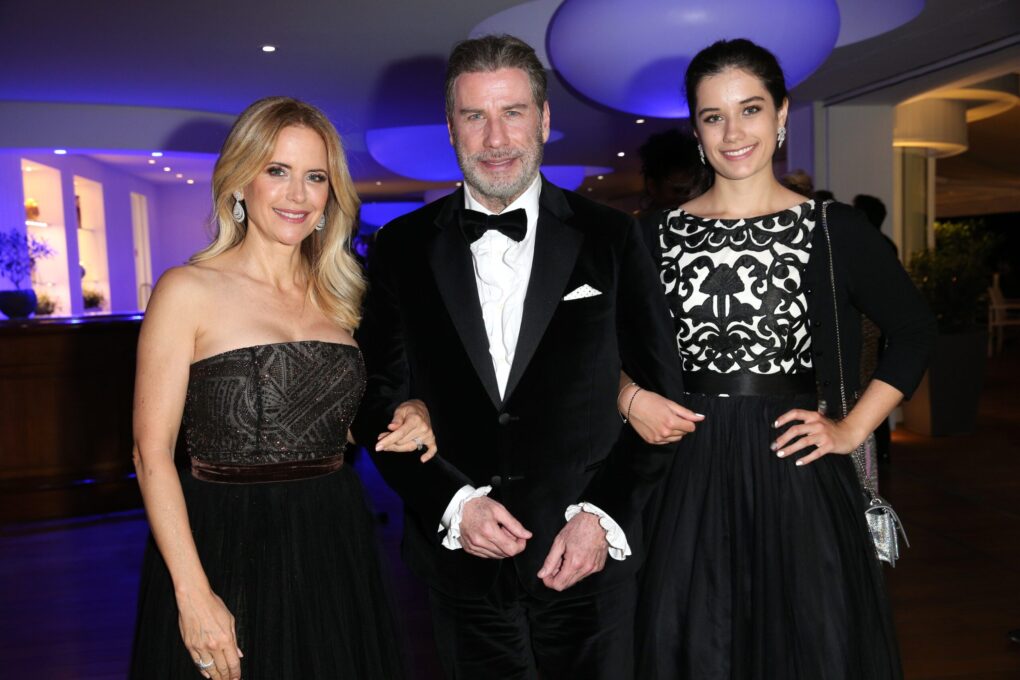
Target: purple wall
x=179 y=224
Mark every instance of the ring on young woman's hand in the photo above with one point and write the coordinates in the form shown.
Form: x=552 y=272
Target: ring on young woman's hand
x=419 y=445
x=203 y=664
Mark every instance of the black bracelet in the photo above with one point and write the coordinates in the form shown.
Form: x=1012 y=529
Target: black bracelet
x=630 y=404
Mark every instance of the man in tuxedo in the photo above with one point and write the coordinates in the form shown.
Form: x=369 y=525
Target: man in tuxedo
x=510 y=308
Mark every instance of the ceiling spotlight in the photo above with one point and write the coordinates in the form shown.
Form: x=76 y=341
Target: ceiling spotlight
x=152 y=162
x=589 y=188
x=459 y=183
x=378 y=184
x=157 y=154
x=601 y=177
x=179 y=175
x=166 y=168
x=29 y=168
x=640 y=121
x=60 y=152
x=269 y=48
x=191 y=181
x=621 y=154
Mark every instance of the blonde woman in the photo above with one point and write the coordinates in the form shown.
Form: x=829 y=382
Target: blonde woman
x=263 y=562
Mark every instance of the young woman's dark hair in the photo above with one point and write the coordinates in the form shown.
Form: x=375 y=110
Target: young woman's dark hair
x=740 y=54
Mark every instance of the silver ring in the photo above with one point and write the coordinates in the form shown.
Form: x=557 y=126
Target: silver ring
x=204 y=665
x=419 y=444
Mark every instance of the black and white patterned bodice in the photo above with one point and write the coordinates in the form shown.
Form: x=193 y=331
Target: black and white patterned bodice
x=283 y=402
x=735 y=289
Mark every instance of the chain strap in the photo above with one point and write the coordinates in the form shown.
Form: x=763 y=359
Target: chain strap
x=858 y=453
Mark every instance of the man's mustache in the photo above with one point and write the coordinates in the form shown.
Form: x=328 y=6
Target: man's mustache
x=489 y=156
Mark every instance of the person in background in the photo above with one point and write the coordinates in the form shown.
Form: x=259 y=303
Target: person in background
x=262 y=560
x=799 y=181
x=671 y=170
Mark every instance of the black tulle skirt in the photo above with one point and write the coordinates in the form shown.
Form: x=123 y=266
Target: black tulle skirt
x=297 y=564
x=758 y=569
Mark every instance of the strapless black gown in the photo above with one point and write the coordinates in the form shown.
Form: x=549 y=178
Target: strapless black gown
x=281 y=525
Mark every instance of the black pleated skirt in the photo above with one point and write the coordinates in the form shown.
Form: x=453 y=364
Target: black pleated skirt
x=297 y=564
x=758 y=569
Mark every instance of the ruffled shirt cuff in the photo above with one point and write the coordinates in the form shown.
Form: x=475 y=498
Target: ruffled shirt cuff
x=450 y=523
x=619 y=549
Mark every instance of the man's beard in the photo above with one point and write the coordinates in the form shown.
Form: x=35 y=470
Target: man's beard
x=507 y=188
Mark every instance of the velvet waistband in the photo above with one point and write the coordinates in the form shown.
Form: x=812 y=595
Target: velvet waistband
x=270 y=472
x=749 y=384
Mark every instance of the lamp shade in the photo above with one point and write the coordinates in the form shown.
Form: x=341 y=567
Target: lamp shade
x=421 y=152
x=939 y=126
x=631 y=56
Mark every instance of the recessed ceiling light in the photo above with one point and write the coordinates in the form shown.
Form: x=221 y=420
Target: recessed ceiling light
x=640 y=121
x=459 y=183
x=191 y=181
x=179 y=175
x=589 y=188
x=166 y=168
x=378 y=184
x=269 y=48
x=29 y=169
x=601 y=177
x=621 y=154
x=152 y=162
x=157 y=154
x=60 y=152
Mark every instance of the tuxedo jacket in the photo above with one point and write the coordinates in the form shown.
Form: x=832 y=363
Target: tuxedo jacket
x=555 y=438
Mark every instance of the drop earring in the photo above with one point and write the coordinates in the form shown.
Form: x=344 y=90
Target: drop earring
x=701 y=152
x=321 y=224
x=238 y=211
x=782 y=137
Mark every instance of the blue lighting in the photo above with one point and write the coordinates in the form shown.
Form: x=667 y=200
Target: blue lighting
x=421 y=152
x=571 y=176
x=638 y=61
x=374 y=215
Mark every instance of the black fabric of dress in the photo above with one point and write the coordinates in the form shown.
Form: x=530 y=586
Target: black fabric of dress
x=296 y=562
x=757 y=569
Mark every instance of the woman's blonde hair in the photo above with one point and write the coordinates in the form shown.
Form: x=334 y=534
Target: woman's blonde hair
x=336 y=284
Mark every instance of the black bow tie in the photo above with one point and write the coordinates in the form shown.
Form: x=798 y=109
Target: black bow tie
x=513 y=224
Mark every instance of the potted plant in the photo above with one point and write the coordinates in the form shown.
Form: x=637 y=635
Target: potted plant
x=954 y=279
x=93 y=299
x=18 y=256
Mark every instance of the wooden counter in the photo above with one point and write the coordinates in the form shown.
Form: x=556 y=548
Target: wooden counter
x=66 y=387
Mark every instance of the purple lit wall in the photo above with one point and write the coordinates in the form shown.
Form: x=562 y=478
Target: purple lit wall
x=117 y=188
x=180 y=224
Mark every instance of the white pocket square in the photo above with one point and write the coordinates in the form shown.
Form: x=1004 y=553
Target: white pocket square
x=581 y=293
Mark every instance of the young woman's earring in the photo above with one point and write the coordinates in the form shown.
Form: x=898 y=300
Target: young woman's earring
x=238 y=207
x=782 y=137
x=321 y=224
x=701 y=152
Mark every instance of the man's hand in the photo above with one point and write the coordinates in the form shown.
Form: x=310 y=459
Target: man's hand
x=487 y=529
x=578 y=551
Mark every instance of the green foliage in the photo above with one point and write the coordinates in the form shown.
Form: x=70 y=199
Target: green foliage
x=93 y=299
x=19 y=253
x=45 y=305
x=954 y=277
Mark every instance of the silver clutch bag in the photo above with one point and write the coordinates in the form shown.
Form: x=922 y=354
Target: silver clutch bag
x=883 y=523
x=885 y=529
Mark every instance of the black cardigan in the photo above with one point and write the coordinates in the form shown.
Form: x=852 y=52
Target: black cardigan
x=869 y=280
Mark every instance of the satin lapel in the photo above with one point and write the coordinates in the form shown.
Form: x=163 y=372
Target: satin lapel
x=556 y=248
x=450 y=260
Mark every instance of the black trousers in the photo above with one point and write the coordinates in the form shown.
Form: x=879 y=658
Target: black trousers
x=512 y=635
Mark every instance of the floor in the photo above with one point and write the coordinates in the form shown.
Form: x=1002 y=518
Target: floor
x=67 y=586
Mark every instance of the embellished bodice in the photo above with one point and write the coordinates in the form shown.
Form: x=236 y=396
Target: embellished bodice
x=277 y=403
x=735 y=289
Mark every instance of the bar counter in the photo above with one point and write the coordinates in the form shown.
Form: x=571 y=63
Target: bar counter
x=66 y=388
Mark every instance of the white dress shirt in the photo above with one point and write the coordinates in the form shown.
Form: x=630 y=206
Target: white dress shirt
x=502 y=269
